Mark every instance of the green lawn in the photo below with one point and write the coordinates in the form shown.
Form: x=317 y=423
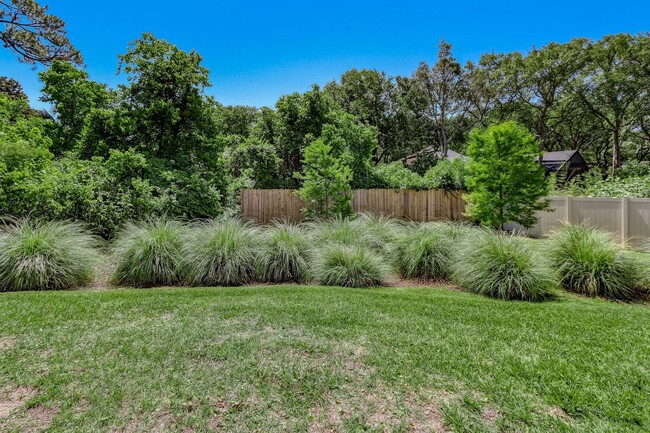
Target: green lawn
x=298 y=358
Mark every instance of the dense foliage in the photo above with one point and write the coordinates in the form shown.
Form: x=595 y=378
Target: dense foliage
x=632 y=179
x=505 y=180
x=159 y=145
x=149 y=253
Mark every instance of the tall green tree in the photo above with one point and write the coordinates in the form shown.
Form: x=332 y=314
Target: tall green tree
x=434 y=93
x=545 y=76
x=505 y=182
x=346 y=135
x=487 y=93
x=165 y=97
x=12 y=88
x=34 y=35
x=299 y=120
x=73 y=96
x=369 y=95
x=236 y=119
x=611 y=84
x=325 y=181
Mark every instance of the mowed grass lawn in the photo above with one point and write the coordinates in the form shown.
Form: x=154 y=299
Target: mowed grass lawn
x=299 y=358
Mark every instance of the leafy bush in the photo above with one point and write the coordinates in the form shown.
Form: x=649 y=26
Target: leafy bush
x=633 y=169
x=285 y=255
x=592 y=184
x=589 y=262
x=105 y=193
x=424 y=252
x=149 y=253
x=449 y=175
x=36 y=255
x=501 y=266
x=396 y=176
x=222 y=253
x=349 y=266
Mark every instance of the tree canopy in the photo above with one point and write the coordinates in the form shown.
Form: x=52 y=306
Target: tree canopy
x=159 y=144
x=34 y=35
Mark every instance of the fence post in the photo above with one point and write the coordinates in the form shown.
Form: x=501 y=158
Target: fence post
x=625 y=230
x=569 y=202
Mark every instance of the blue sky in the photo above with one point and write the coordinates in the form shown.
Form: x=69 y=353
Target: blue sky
x=259 y=50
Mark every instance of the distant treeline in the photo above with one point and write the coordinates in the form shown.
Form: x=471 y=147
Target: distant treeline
x=159 y=145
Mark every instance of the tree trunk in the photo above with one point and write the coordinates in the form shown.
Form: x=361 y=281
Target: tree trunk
x=444 y=143
x=616 y=154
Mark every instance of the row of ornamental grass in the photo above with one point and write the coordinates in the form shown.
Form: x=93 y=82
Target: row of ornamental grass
x=362 y=252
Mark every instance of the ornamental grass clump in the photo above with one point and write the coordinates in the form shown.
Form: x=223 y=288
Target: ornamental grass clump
x=285 y=254
x=345 y=231
x=337 y=230
x=380 y=232
x=223 y=253
x=424 y=252
x=350 y=266
x=501 y=266
x=149 y=253
x=589 y=262
x=38 y=255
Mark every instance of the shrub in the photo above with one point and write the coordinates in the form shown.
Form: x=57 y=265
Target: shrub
x=344 y=231
x=424 y=252
x=285 y=255
x=36 y=255
x=149 y=253
x=222 y=253
x=449 y=175
x=396 y=176
x=501 y=266
x=349 y=266
x=589 y=262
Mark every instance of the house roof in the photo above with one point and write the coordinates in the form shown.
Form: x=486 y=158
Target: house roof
x=563 y=155
x=451 y=155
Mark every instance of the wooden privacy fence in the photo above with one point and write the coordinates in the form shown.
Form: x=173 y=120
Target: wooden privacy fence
x=266 y=205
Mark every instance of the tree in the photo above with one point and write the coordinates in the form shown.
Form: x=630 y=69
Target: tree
x=486 y=92
x=346 y=135
x=74 y=96
x=236 y=119
x=12 y=88
x=433 y=92
x=256 y=160
x=33 y=35
x=545 y=75
x=299 y=120
x=612 y=84
x=505 y=182
x=368 y=95
x=165 y=98
x=326 y=181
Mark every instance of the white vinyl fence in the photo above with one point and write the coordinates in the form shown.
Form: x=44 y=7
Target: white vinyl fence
x=629 y=218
